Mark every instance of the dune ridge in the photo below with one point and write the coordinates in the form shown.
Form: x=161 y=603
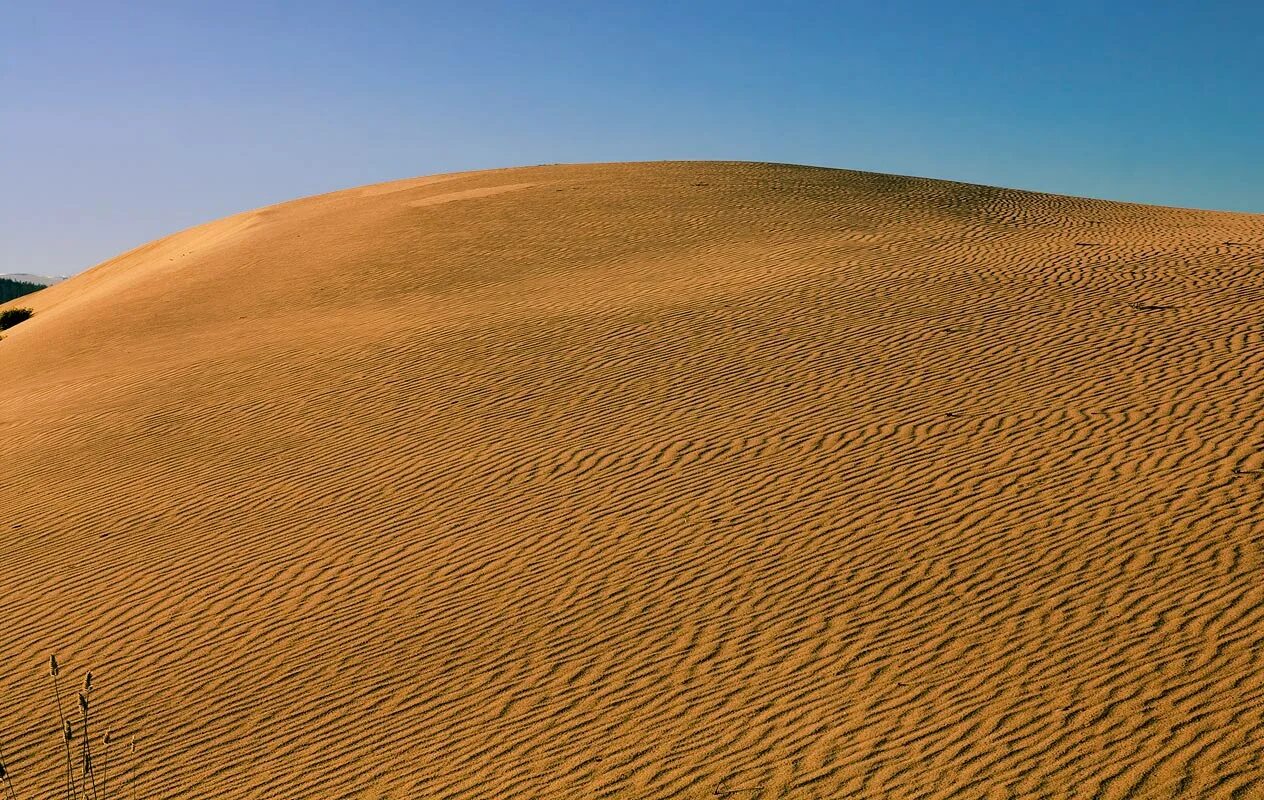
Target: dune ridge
x=647 y=481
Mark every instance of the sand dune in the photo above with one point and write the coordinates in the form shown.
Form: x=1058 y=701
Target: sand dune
x=649 y=481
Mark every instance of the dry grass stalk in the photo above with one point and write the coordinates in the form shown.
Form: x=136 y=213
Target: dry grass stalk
x=8 y=782
x=88 y=774
x=105 y=762
x=67 y=732
x=86 y=787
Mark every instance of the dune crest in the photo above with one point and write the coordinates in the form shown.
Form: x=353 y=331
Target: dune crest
x=650 y=481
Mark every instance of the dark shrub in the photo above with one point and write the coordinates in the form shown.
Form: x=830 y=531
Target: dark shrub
x=12 y=316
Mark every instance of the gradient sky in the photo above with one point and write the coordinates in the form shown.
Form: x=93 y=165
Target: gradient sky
x=120 y=123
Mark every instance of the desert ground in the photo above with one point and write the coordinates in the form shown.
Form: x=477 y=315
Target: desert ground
x=648 y=481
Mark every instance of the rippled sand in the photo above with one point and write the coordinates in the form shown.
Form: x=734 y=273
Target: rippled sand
x=649 y=481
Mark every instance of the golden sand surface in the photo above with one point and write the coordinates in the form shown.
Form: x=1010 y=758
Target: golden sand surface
x=648 y=481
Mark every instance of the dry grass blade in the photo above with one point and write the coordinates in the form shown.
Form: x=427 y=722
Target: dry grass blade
x=8 y=782
x=105 y=763
x=89 y=778
x=67 y=733
x=87 y=788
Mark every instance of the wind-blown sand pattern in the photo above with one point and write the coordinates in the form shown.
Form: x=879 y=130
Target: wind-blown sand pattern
x=650 y=481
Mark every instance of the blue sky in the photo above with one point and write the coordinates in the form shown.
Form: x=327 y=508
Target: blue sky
x=122 y=122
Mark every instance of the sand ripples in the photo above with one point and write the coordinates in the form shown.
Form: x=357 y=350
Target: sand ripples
x=639 y=481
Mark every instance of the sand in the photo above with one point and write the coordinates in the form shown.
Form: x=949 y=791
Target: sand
x=648 y=481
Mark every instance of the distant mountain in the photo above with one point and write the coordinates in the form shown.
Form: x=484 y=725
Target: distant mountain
x=22 y=277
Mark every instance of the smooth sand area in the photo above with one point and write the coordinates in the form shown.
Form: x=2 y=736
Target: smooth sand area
x=649 y=481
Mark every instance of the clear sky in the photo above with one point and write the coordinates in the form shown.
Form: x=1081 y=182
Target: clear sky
x=122 y=122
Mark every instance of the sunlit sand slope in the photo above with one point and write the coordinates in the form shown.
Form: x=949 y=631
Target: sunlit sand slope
x=649 y=481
